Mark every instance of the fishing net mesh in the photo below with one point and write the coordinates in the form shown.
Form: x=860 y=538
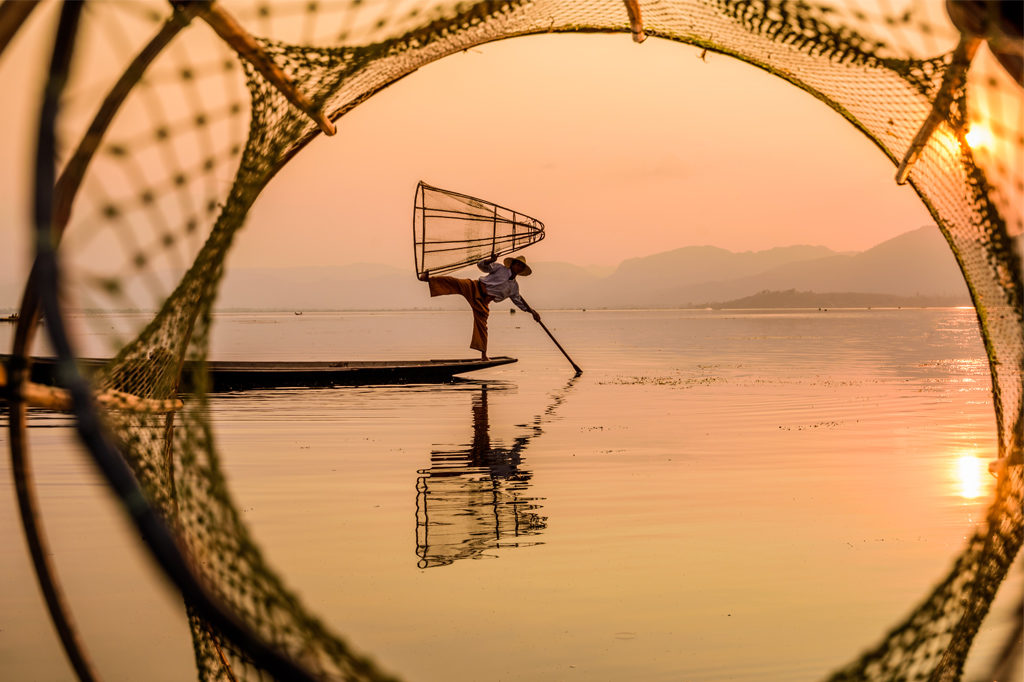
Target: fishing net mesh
x=452 y=230
x=199 y=132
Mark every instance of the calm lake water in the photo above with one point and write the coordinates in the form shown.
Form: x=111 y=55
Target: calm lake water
x=720 y=496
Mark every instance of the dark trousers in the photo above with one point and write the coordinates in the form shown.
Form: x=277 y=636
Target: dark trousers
x=473 y=291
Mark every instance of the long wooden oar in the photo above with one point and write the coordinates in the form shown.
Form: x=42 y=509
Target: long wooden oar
x=545 y=328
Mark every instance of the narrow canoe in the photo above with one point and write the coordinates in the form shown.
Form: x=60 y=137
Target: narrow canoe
x=232 y=376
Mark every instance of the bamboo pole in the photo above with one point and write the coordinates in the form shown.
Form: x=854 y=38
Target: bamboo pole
x=548 y=331
x=952 y=81
x=59 y=399
x=552 y=336
x=636 y=22
x=13 y=14
x=21 y=464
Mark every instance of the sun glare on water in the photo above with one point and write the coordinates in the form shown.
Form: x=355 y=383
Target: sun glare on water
x=970 y=476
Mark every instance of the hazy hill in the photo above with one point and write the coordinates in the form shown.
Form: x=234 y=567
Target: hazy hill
x=917 y=263
x=655 y=280
x=557 y=285
x=792 y=298
x=366 y=286
x=696 y=264
x=361 y=286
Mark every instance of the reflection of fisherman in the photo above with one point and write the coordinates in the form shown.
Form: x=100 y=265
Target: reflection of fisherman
x=472 y=498
x=498 y=284
x=501 y=463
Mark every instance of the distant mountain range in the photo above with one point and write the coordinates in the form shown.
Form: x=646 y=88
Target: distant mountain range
x=791 y=298
x=915 y=268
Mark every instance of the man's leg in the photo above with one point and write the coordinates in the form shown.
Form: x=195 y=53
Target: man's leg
x=444 y=285
x=480 y=313
x=471 y=290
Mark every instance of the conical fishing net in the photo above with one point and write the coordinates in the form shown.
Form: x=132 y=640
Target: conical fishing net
x=172 y=137
x=452 y=230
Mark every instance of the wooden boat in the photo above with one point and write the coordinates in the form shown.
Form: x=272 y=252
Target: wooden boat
x=232 y=375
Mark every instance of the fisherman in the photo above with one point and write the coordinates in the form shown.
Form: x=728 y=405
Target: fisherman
x=498 y=284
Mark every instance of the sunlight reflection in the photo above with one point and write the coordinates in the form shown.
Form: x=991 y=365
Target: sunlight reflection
x=979 y=136
x=970 y=476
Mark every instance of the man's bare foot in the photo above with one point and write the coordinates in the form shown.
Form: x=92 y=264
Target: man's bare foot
x=483 y=356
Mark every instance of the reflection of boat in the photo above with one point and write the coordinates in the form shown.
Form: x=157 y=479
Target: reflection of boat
x=473 y=498
x=228 y=375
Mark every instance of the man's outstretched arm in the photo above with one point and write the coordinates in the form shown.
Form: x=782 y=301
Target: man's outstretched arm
x=524 y=306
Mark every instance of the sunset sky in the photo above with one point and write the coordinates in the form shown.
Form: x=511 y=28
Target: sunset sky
x=723 y=493
x=622 y=150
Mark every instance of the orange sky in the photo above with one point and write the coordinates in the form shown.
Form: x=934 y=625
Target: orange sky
x=621 y=149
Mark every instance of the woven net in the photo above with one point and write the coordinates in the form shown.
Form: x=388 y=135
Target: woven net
x=452 y=230
x=172 y=139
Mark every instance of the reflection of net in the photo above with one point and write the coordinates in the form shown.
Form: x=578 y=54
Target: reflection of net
x=175 y=168
x=451 y=230
x=464 y=511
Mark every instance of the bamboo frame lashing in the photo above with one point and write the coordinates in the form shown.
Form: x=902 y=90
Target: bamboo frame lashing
x=242 y=42
x=954 y=79
x=220 y=652
x=636 y=22
x=119 y=400
x=59 y=399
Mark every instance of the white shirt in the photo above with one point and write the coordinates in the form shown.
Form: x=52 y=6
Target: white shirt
x=500 y=284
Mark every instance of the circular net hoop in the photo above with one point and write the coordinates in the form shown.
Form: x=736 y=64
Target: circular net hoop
x=169 y=142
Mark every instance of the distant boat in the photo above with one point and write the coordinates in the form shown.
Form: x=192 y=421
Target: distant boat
x=298 y=312
x=511 y=311
x=13 y=317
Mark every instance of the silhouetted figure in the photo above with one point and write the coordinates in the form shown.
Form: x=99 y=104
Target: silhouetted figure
x=497 y=284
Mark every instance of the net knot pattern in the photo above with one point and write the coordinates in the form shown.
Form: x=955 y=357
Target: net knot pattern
x=195 y=111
